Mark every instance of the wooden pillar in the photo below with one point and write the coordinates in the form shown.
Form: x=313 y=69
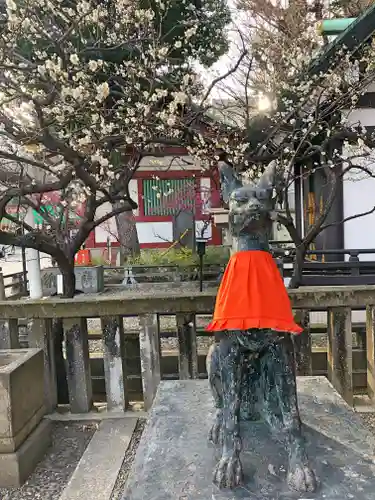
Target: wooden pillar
x=41 y=337
x=78 y=365
x=340 y=351
x=370 y=350
x=149 y=344
x=298 y=197
x=187 y=345
x=9 y=334
x=115 y=370
x=302 y=344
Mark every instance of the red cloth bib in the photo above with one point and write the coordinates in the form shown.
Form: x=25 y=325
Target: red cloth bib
x=252 y=294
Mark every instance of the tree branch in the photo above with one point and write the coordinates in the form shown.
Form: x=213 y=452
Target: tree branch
x=222 y=77
x=351 y=217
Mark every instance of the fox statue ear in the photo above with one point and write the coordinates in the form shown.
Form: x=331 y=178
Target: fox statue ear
x=228 y=180
x=268 y=178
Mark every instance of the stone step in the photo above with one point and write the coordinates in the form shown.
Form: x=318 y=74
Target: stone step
x=97 y=471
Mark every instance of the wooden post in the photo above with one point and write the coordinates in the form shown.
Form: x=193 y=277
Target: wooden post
x=302 y=344
x=187 y=344
x=41 y=336
x=149 y=344
x=9 y=334
x=78 y=365
x=370 y=352
x=340 y=351
x=115 y=370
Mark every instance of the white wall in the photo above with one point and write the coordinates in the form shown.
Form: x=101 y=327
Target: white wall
x=168 y=163
x=364 y=116
x=109 y=228
x=359 y=196
x=359 y=190
x=155 y=232
x=207 y=229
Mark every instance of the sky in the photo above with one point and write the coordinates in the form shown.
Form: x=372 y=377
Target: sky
x=228 y=60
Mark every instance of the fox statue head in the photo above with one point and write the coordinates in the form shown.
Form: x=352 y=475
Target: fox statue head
x=251 y=206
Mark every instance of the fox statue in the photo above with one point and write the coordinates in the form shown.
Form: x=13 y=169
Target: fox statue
x=251 y=364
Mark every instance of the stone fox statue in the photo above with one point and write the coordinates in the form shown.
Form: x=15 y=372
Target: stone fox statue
x=251 y=365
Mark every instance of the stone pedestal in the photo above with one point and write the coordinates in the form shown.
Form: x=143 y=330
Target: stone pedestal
x=175 y=461
x=24 y=436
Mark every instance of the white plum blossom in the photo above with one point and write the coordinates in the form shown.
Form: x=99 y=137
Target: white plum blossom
x=74 y=59
x=102 y=91
x=93 y=66
x=92 y=90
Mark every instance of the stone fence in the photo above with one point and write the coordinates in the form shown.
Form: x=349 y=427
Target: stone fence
x=120 y=354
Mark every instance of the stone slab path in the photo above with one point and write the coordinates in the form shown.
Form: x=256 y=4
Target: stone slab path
x=97 y=471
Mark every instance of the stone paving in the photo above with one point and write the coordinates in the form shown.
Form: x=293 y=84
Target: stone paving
x=70 y=441
x=175 y=461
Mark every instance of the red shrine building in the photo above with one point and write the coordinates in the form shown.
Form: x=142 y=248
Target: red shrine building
x=164 y=187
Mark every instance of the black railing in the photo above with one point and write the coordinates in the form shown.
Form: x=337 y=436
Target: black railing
x=332 y=273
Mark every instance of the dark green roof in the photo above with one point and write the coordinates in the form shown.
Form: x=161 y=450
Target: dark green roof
x=352 y=39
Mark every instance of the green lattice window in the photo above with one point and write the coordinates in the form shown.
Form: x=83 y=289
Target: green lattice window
x=166 y=197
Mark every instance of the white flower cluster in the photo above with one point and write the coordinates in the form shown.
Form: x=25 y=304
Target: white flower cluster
x=86 y=83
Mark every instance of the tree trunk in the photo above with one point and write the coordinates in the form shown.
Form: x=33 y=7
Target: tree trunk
x=127 y=235
x=296 y=279
x=67 y=270
x=69 y=278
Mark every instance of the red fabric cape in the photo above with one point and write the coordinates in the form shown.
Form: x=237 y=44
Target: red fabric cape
x=252 y=294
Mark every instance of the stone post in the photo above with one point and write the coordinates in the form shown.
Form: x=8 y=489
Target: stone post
x=149 y=343
x=115 y=370
x=78 y=365
x=340 y=351
x=302 y=344
x=41 y=336
x=187 y=343
x=9 y=334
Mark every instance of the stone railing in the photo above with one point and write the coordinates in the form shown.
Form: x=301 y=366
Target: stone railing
x=127 y=355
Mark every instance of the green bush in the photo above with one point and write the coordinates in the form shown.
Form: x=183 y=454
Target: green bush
x=181 y=257
x=176 y=257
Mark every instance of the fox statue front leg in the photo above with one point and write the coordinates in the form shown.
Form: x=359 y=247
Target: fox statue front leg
x=224 y=368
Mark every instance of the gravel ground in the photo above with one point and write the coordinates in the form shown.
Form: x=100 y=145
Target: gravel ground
x=54 y=471
x=168 y=324
x=128 y=461
x=369 y=421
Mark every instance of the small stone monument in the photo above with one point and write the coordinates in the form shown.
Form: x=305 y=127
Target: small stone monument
x=24 y=435
x=89 y=279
